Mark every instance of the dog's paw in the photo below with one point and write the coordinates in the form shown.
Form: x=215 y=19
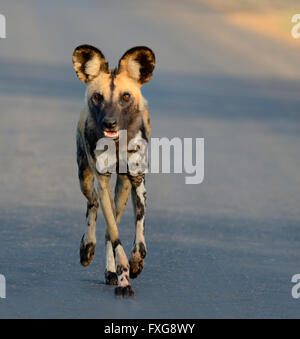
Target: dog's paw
x=136 y=263
x=111 y=278
x=136 y=268
x=125 y=292
x=87 y=253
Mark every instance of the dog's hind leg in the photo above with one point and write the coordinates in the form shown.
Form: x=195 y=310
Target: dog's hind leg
x=86 y=179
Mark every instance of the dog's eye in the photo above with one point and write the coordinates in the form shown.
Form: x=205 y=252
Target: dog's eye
x=97 y=98
x=126 y=97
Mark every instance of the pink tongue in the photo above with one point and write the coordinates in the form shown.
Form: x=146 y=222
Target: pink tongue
x=111 y=134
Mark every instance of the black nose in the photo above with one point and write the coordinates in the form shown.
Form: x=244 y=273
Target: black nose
x=109 y=123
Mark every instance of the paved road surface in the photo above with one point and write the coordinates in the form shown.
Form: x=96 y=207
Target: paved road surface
x=225 y=248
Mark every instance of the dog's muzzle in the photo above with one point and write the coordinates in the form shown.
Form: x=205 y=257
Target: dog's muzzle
x=110 y=127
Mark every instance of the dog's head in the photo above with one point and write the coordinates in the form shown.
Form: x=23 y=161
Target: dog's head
x=113 y=97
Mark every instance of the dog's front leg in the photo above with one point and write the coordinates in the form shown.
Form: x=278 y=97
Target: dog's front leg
x=138 y=252
x=122 y=266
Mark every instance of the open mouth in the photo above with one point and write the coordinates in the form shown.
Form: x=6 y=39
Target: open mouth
x=112 y=135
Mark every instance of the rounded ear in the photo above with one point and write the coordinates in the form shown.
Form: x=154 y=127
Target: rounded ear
x=138 y=63
x=88 y=62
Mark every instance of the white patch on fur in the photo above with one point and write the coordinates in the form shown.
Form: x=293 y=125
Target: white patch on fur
x=140 y=224
x=134 y=69
x=122 y=260
x=92 y=67
x=90 y=234
x=110 y=260
x=138 y=135
x=140 y=192
x=143 y=104
x=139 y=237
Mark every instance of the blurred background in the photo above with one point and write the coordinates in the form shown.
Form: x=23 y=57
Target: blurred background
x=227 y=72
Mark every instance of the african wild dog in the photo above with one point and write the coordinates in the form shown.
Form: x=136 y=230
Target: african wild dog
x=113 y=102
